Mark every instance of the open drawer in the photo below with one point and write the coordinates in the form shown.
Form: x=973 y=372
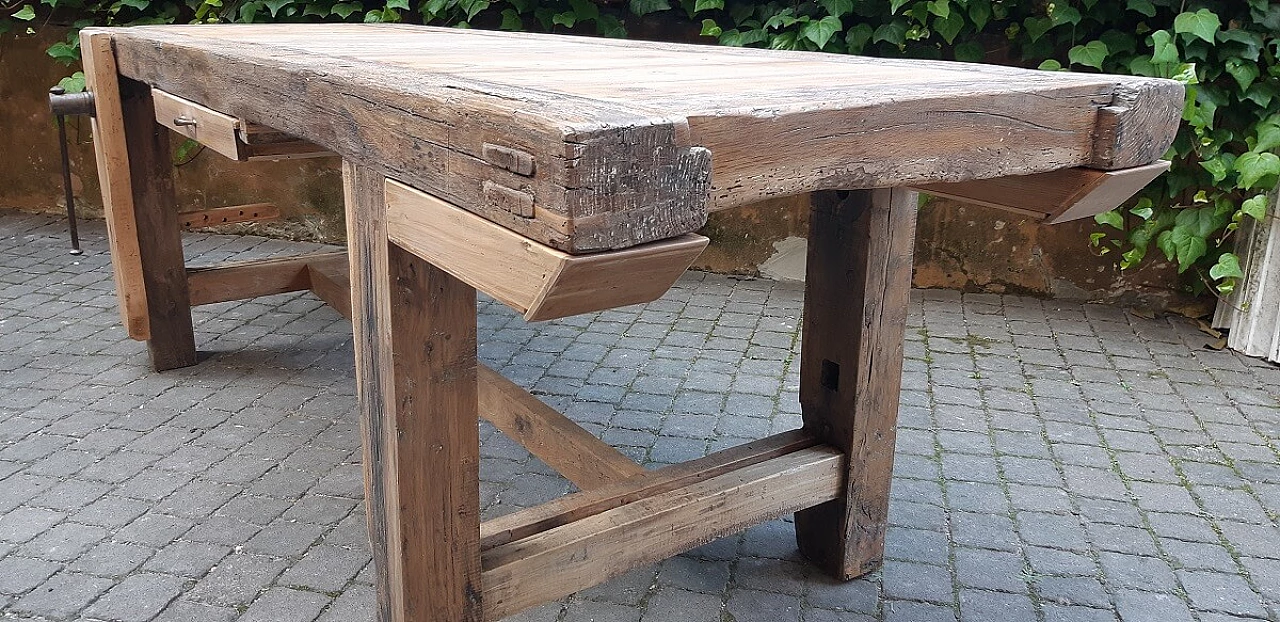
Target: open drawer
x=232 y=137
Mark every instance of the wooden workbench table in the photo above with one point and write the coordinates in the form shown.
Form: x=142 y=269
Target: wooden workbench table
x=563 y=175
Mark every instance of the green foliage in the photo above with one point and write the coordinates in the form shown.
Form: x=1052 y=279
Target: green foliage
x=1224 y=51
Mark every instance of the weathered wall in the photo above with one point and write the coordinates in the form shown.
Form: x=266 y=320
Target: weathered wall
x=958 y=246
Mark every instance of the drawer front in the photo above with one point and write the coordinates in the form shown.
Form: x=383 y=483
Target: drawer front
x=211 y=128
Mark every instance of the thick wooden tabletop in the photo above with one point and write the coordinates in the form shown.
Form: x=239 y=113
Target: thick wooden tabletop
x=588 y=144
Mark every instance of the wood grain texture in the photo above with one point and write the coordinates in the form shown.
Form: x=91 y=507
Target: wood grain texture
x=540 y=282
x=557 y=562
x=231 y=214
x=556 y=118
x=1057 y=196
x=433 y=336
x=259 y=277
x=211 y=128
x=857 y=287
x=550 y=436
x=375 y=387
x=567 y=509
x=112 y=156
x=170 y=334
x=331 y=282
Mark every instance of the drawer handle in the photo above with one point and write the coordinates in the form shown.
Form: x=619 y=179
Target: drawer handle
x=185 y=121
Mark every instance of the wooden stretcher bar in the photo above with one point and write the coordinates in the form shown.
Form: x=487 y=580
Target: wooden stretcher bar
x=562 y=560
x=233 y=214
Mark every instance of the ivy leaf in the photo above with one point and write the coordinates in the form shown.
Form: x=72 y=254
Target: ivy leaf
x=586 y=10
x=1181 y=244
x=1166 y=51
x=857 y=37
x=1090 y=54
x=837 y=8
x=894 y=5
x=1037 y=26
x=26 y=13
x=1200 y=221
x=1113 y=218
x=1142 y=6
x=1228 y=267
x=64 y=52
x=645 y=7
x=566 y=19
x=949 y=27
x=1065 y=14
x=1253 y=166
x=1203 y=24
x=1255 y=206
x=344 y=9
x=391 y=4
x=821 y=31
x=710 y=28
x=700 y=5
x=980 y=13
x=970 y=52
x=1249 y=44
x=73 y=83
x=1243 y=71
x=1261 y=93
x=1268 y=134
x=1050 y=65
x=1219 y=166
x=274 y=6
x=941 y=8
x=511 y=20
x=894 y=32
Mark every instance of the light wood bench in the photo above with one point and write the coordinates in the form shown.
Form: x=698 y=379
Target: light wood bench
x=565 y=175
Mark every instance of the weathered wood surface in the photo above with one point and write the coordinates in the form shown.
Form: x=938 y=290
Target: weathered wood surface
x=415 y=343
x=229 y=136
x=550 y=436
x=1057 y=196
x=857 y=288
x=113 y=173
x=586 y=144
x=567 y=509
x=231 y=214
x=170 y=334
x=540 y=282
x=258 y=277
x=559 y=561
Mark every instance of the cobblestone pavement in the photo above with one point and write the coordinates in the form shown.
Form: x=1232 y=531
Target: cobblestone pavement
x=1056 y=461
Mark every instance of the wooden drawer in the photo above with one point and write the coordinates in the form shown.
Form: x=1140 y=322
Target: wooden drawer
x=232 y=137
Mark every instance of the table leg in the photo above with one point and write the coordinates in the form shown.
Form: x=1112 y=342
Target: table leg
x=857 y=289
x=171 y=338
x=415 y=338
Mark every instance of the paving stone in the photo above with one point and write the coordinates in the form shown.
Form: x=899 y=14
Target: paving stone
x=1221 y=592
x=112 y=559
x=19 y=574
x=677 y=604
x=237 y=580
x=986 y=606
x=922 y=582
x=1137 y=606
x=62 y=596
x=136 y=599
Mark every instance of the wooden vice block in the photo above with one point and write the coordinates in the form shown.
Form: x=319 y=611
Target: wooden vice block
x=540 y=282
x=1057 y=196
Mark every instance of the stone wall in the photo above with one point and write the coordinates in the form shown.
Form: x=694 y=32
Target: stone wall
x=958 y=246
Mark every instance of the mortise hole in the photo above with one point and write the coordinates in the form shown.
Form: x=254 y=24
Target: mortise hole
x=830 y=377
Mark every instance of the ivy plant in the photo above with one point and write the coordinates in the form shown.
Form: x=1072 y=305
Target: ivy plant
x=1224 y=51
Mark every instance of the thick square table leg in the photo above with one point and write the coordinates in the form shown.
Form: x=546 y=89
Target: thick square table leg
x=858 y=284
x=171 y=339
x=136 y=170
x=415 y=339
